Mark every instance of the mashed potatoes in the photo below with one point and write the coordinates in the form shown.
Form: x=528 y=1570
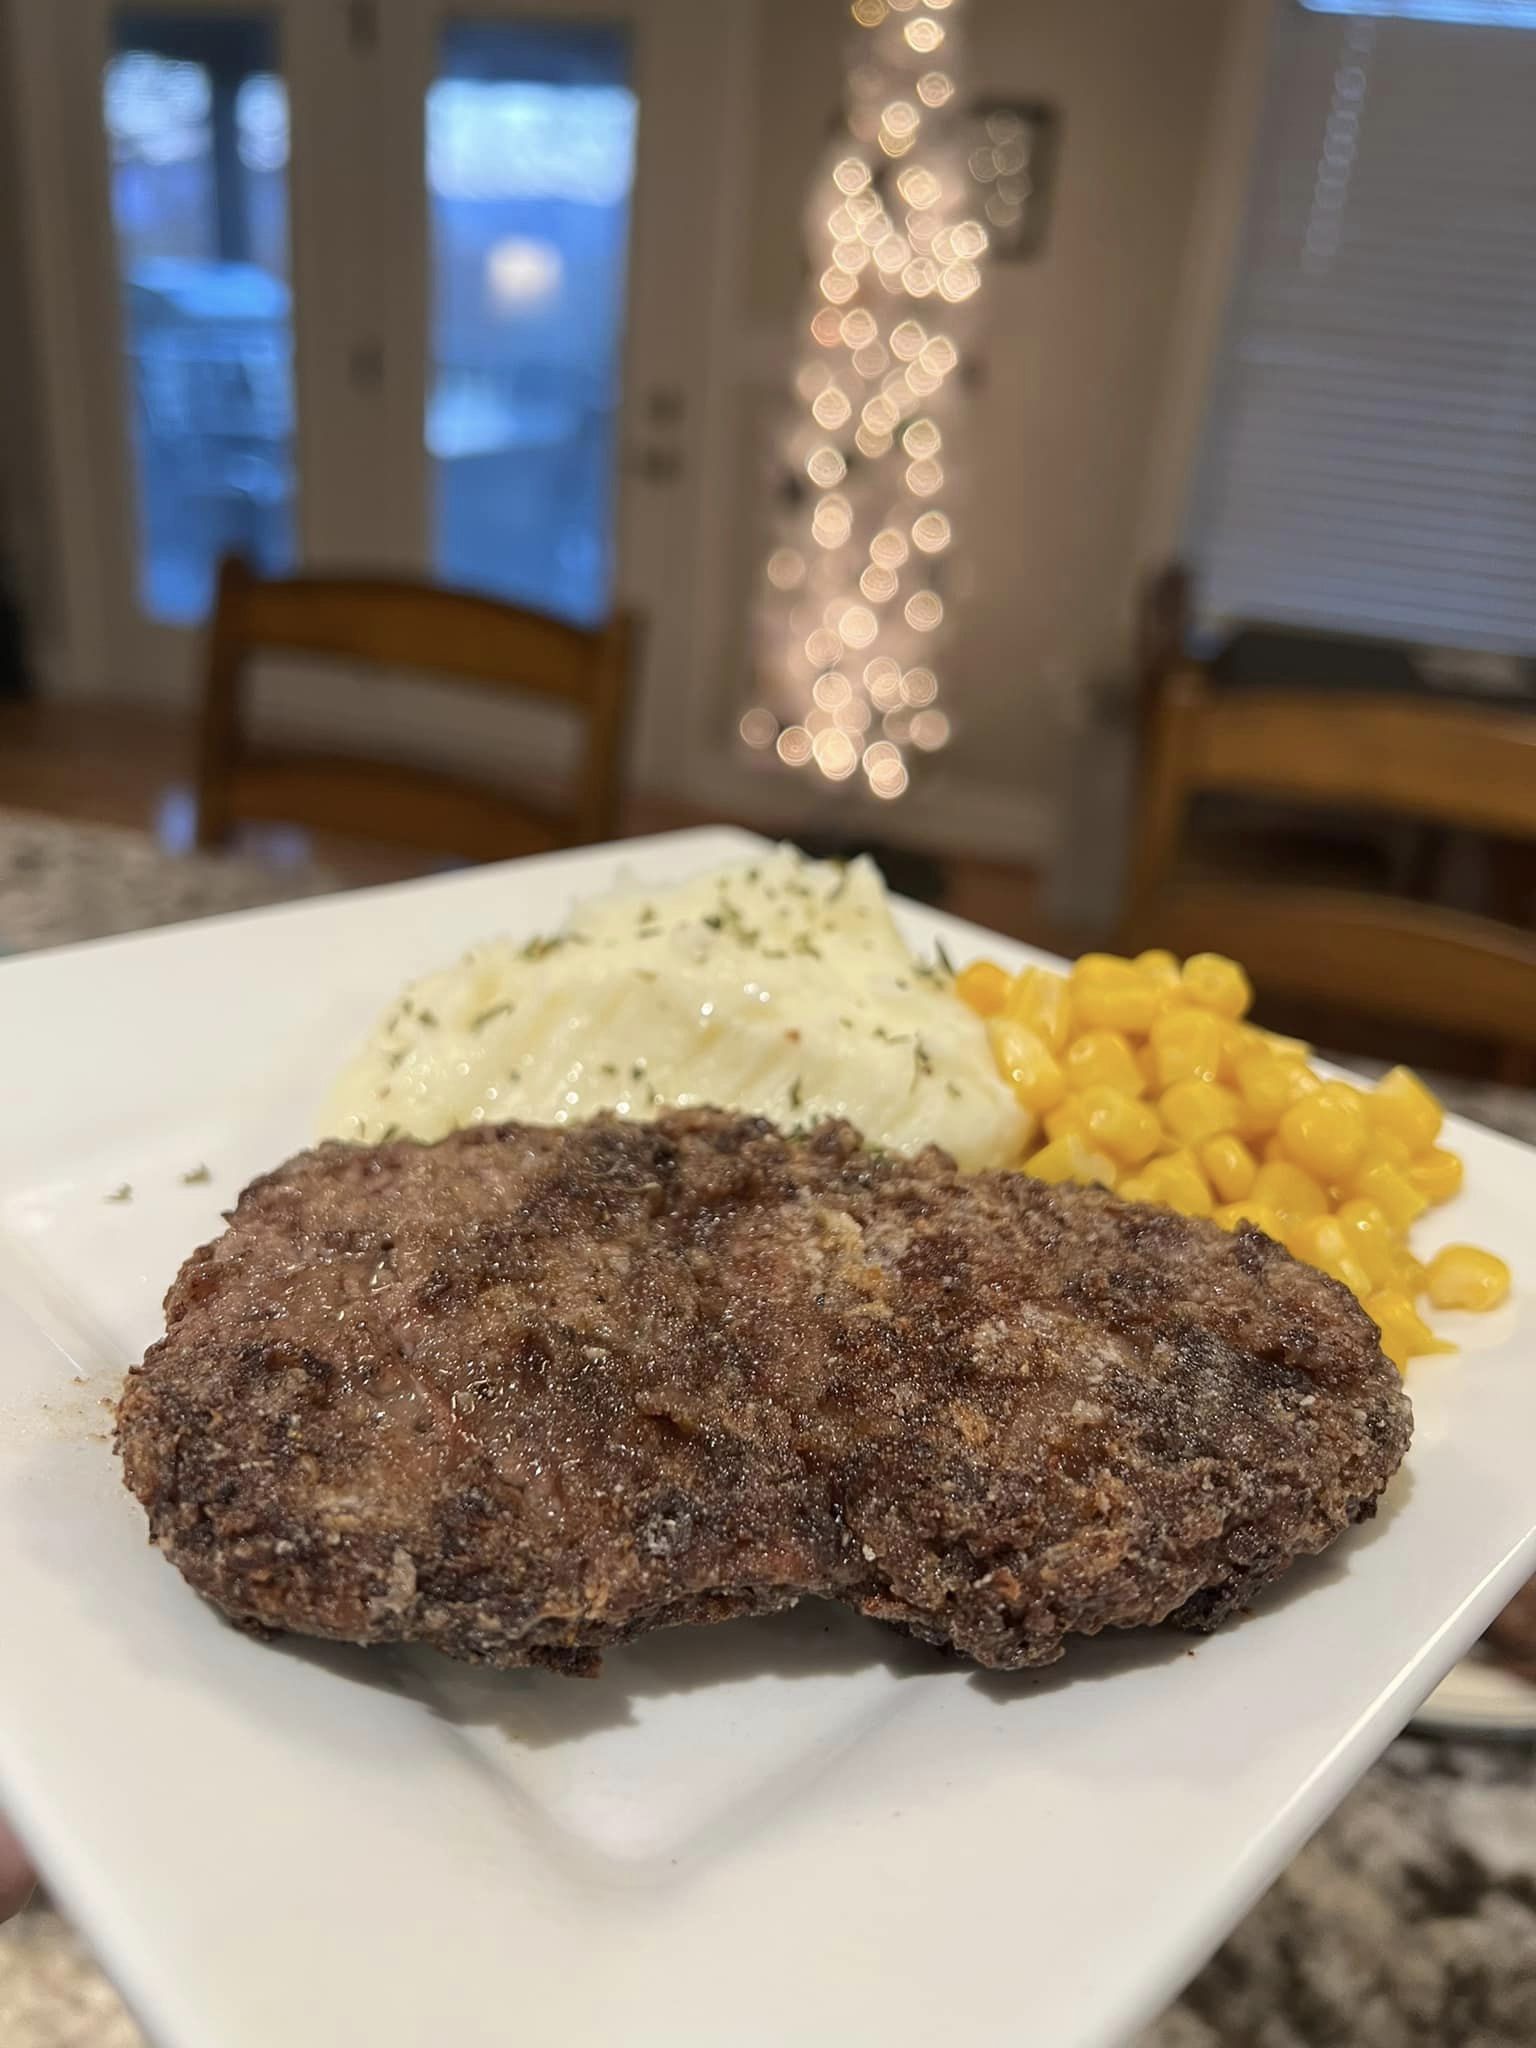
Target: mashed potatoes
x=782 y=988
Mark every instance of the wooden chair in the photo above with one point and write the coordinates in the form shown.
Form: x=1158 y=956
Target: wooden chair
x=1457 y=765
x=441 y=635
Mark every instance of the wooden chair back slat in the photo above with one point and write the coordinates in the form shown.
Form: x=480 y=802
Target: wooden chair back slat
x=1456 y=765
x=435 y=636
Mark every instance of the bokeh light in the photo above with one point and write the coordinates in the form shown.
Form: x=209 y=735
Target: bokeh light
x=858 y=577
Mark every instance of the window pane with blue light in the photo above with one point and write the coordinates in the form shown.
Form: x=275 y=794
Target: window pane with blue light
x=530 y=164
x=197 y=127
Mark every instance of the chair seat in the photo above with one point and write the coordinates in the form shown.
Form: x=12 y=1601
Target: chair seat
x=387 y=800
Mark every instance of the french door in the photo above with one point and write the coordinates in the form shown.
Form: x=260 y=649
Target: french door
x=384 y=284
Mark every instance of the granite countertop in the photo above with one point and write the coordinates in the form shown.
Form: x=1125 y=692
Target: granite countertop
x=1409 y=1921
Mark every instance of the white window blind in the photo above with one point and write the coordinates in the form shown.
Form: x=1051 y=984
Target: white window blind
x=1369 y=460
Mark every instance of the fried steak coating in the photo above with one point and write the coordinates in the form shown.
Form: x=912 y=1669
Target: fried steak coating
x=526 y=1392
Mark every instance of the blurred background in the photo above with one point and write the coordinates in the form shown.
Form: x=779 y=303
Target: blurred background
x=514 y=302
x=1082 y=450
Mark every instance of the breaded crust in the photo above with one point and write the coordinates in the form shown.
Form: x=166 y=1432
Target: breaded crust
x=526 y=1392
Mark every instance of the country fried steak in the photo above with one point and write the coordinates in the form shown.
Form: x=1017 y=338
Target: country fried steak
x=527 y=1392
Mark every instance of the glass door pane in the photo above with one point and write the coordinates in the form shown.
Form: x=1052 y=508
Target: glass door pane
x=530 y=162
x=197 y=122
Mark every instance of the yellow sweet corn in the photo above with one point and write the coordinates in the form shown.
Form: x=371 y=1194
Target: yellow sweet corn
x=1027 y=1064
x=1324 y=1242
x=1069 y=1158
x=1232 y=1214
x=1391 y=1190
x=1043 y=1001
x=1110 y=1002
x=1186 y=1046
x=983 y=986
x=1400 y=1102
x=1461 y=1276
x=1436 y=1173
x=1066 y=1119
x=1404 y=1332
x=1372 y=1240
x=1158 y=967
x=1409 y=1275
x=1103 y=1059
x=1180 y=1184
x=1385 y=1148
x=1264 y=1084
x=1326 y=1132
x=1229 y=1166
x=1212 y=982
x=1289 y=1190
x=1117 y=1123
x=1144 y=1073
x=1193 y=1110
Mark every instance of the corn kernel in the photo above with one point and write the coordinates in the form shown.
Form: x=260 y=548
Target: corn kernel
x=1102 y=966
x=1326 y=1132
x=1146 y=1062
x=1193 y=1110
x=1069 y=1158
x=1228 y=1165
x=1437 y=1173
x=1103 y=1059
x=1401 y=1103
x=1213 y=982
x=1461 y=1276
x=1043 y=1001
x=1286 y=1048
x=1412 y=1274
x=1136 y=1187
x=1159 y=967
x=1264 y=1083
x=1117 y=1123
x=1273 y=1149
x=1187 y=1046
x=1299 y=1077
x=1237 y=1042
x=1065 y=1120
x=1372 y=1240
x=1392 y=1192
x=1320 y=1237
x=1180 y=1184
x=1104 y=1002
x=983 y=986
x=1354 y=1277
x=1232 y=1215
x=1027 y=1064
x=1325 y=1242
x=1404 y=1332
x=1289 y=1190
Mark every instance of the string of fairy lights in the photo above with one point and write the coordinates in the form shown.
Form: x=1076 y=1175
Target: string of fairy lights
x=854 y=600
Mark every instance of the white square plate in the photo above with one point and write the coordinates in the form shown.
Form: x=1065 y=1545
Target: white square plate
x=800 y=1828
